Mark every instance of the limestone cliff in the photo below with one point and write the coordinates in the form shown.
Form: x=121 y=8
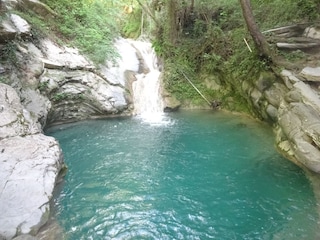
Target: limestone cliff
x=30 y=165
x=290 y=100
x=46 y=83
x=40 y=83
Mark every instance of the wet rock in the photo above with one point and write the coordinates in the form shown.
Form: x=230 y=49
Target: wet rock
x=171 y=104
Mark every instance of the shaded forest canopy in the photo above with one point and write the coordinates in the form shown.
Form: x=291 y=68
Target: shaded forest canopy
x=203 y=38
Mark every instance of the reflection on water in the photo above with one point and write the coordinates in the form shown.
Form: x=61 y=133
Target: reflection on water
x=203 y=176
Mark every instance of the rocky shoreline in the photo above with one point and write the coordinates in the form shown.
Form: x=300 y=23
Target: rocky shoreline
x=30 y=167
x=56 y=84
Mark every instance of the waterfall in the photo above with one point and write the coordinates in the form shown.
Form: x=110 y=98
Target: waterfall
x=140 y=58
x=147 y=99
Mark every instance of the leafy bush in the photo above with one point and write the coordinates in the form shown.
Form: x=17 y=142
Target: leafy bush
x=8 y=53
x=89 y=25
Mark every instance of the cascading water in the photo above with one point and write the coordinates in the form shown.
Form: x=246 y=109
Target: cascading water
x=139 y=58
x=208 y=176
x=146 y=90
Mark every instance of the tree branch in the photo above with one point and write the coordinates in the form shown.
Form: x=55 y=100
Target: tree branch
x=148 y=11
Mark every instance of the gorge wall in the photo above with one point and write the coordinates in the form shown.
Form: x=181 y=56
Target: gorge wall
x=48 y=84
x=41 y=84
x=290 y=99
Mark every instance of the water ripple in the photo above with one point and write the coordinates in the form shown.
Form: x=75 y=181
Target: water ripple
x=205 y=177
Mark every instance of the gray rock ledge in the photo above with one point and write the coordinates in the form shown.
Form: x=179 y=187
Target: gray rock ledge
x=30 y=164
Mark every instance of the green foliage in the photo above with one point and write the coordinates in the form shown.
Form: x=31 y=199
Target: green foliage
x=309 y=9
x=293 y=56
x=43 y=86
x=274 y=13
x=8 y=53
x=131 y=26
x=87 y=24
x=58 y=97
x=4 y=80
x=175 y=83
x=210 y=40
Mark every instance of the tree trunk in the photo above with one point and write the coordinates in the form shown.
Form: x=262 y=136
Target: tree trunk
x=173 y=23
x=259 y=40
x=192 y=6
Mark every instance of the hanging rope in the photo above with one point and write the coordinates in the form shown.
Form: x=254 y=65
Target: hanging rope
x=210 y=104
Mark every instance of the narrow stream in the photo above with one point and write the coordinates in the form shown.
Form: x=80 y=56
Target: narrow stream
x=198 y=175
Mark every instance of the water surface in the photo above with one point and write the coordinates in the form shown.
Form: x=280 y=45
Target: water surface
x=202 y=175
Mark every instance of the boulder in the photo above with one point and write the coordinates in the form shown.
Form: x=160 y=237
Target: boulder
x=29 y=167
x=12 y=27
x=58 y=57
x=20 y=24
x=311 y=74
x=289 y=78
x=312 y=32
x=171 y=104
x=30 y=163
x=81 y=94
x=308 y=95
x=7 y=31
x=300 y=127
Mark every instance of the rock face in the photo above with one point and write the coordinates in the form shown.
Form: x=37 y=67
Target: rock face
x=291 y=102
x=29 y=168
x=298 y=131
x=311 y=74
x=30 y=163
x=12 y=27
x=60 y=85
x=15 y=120
x=52 y=84
x=293 y=106
x=75 y=89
